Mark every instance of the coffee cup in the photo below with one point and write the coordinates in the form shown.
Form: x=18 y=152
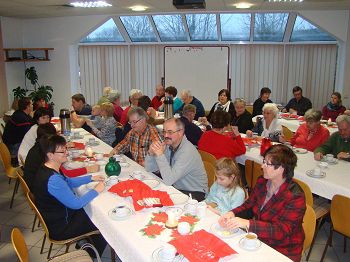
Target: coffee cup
x=201 y=210
x=317 y=171
x=76 y=134
x=191 y=206
x=120 y=211
x=91 y=140
x=183 y=228
x=168 y=252
x=323 y=165
x=99 y=156
x=75 y=153
x=250 y=240
x=330 y=157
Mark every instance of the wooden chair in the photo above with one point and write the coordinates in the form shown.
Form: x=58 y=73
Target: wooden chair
x=252 y=172
x=287 y=133
x=340 y=220
x=207 y=157
x=309 y=226
x=319 y=205
x=66 y=242
x=19 y=244
x=210 y=170
x=249 y=108
x=10 y=171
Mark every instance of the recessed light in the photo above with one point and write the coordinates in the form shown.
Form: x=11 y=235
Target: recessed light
x=243 y=5
x=90 y=4
x=138 y=8
x=271 y=1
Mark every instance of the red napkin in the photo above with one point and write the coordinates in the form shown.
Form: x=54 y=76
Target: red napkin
x=79 y=146
x=128 y=187
x=55 y=121
x=164 y=197
x=301 y=118
x=79 y=159
x=250 y=141
x=202 y=246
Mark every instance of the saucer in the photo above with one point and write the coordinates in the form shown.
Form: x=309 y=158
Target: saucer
x=330 y=162
x=96 y=143
x=241 y=245
x=152 y=183
x=299 y=150
x=156 y=257
x=113 y=215
x=223 y=233
x=179 y=198
x=310 y=173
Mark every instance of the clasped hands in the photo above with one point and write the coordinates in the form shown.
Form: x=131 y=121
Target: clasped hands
x=157 y=148
x=101 y=185
x=230 y=221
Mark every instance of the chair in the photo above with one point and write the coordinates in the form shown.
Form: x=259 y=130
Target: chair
x=309 y=226
x=249 y=172
x=207 y=157
x=66 y=242
x=287 y=133
x=9 y=169
x=249 y=108
x=340 y=218
x=320 y=206
x=210 y=170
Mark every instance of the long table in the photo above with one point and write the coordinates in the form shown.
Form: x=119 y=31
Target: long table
x=125 y=236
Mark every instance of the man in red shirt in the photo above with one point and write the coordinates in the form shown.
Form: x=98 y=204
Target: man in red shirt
x=156 y=100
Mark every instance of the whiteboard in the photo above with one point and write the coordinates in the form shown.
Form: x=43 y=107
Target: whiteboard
x=202 y=70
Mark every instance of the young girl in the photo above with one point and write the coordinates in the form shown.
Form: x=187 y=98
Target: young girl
x=226 y=193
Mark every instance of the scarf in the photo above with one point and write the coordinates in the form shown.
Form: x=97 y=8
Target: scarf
x=333 y=107
x=225 y=107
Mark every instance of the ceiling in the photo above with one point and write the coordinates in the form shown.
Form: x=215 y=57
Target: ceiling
x=54 y=8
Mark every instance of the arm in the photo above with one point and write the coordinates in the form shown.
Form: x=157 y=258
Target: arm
x=77 y=121
x=233 y=200
x=211 y=197
x=123 y=146
x=327 y=146
x=238 y=147
x=60 y=189
x=78 y=181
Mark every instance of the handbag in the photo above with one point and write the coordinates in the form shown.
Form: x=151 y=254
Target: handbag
x=80 y=255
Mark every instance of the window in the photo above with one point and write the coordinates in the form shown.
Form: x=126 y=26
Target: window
x=235 y=27
x=139 y=28
x=107 y=32
x=270 y=26
x=305 y=31
x=202 y=27
x=170 y=27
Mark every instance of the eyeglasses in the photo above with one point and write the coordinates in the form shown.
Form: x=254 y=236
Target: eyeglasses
x=267 y=164
x=65 y=151
x=170 y=132
x=134 y=122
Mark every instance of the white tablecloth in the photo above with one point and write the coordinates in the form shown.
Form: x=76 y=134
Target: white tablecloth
x=125 y=236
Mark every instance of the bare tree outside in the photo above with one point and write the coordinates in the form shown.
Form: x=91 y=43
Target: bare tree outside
x=170 y=27
x=138 y=28
x=202 y=26
x=270 y=26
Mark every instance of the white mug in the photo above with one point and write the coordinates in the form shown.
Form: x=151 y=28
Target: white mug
x=201 y=210
x=250 y=240
x=168 y=252
x=317 y=171
x=329 y=157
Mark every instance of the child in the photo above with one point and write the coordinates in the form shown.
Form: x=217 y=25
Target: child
x=226 y=193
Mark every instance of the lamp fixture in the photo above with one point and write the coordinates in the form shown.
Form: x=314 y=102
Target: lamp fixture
x=243 y=5
x=281 y=1
x=90 y=4
x=138 y=8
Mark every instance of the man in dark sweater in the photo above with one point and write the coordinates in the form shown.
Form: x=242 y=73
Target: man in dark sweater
x=299 y=104
x=187 y=98
x=192 y=131
x=80 y=108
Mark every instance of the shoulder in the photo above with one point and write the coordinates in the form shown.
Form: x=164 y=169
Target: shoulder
x=295 y=190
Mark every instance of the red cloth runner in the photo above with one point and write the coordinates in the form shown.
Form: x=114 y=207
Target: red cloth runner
x=285 y=115
x=250 y=141
x=79 y=146
x=202 y=246
x=55 y=121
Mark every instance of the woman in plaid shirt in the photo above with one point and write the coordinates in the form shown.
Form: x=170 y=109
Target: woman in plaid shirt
x=276 y=207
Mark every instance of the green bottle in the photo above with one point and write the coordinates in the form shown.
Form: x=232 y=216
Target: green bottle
x=112 y=168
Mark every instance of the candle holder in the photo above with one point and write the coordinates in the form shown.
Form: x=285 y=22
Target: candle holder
x=89 y=152
x=172 y=222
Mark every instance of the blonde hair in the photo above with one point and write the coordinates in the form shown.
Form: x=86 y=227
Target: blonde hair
x=108 y=107
x=229 y=168
x=96 y=107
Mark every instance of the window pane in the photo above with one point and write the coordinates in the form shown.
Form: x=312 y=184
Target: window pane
x=270 y=26
x=108 y=32
x=139 y=28
x=170 y=27
x=305 y=31
x=235 y=27
x=202 y=27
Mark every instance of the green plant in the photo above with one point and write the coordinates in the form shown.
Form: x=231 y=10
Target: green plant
x=31 y=74
x=19 y=92
x=42 y=92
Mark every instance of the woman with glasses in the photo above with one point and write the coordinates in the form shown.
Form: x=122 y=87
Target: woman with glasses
x=241 y=118
x=60 y=207
x=275 y=209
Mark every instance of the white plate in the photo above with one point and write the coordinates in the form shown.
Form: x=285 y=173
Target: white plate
x=310 y=173
x=152 y=183
x=299 y=150
x=157 y=258
x=223 y=233
x=241 y=245
x=114 y=215
x=76 y=137
x=179 y=198
x=96 y=143
x=75 y=165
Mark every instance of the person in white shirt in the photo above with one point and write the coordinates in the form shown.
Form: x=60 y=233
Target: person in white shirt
x=41 y=116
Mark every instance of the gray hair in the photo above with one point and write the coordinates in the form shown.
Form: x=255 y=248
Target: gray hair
x=113 y=95
x=271 y=107
x=135 y=91
x=342 y=118
x=240 y=100
x=178 y=122
x=138 y=110
x=186 y=92
x=188 y=108
x=313 y=115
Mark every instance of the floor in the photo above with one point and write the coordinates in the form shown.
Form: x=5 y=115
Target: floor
x=21 y=216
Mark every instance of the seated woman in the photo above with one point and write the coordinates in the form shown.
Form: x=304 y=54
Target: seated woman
x=105 y=126
x=269 y=126
x=261 y=101
x=334 y=108
x=219 y=144
x=241 y=118
x=177 y=103
x=311 y=134
x=60 y=207
x=276 y=207
x=224 y=104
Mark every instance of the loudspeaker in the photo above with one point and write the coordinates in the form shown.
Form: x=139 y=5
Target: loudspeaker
x=189 y=4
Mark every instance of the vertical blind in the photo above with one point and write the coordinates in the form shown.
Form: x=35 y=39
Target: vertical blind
x=279 y=67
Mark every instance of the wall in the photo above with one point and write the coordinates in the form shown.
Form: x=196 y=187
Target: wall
x=3 y=88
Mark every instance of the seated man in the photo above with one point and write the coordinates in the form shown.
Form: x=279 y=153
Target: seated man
x=80 y=108
x=338 y=143
x=187 y=98
x=178 y=161
x=192 y=131
x=299 y=104
x=139 y=138
x=157 y=99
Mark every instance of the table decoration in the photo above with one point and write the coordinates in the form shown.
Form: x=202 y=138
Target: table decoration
x=112 y=168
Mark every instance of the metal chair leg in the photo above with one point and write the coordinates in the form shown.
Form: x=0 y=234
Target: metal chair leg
x=43 y=244
x=14 y=192
x=326 y=247
x=112 y=254
x=318 y=226
x=34 y=222
x=50 y=248
x=67 y=247
x=344 y=244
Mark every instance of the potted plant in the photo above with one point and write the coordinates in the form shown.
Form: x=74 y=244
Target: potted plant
x=18 y=93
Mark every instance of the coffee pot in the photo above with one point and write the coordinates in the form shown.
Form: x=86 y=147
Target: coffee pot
x=168 y=107
x=65 y=121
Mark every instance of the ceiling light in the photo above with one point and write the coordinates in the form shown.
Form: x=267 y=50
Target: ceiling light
x=281 y=1
x=138 y=8
x=90 y=4
x=243 y=5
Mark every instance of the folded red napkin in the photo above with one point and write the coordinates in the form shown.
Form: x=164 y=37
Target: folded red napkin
x=145 y=193
x=79 y=146
x=202 y=246
x=128 y=187
x=250 y=141
x=301 y=118
x=286 y=115
x=55 y=121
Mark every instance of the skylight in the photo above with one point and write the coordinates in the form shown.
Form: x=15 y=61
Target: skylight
x=202 y=27
x=170 y=27
x=235 y=27
x=107 y=32
x=270 y=26
x=139 y=28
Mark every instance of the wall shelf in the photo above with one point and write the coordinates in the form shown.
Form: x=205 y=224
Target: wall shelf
x=27 y=54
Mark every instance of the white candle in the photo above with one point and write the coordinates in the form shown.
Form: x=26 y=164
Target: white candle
x=89 y=152
x=329 y=121
x=171 y=218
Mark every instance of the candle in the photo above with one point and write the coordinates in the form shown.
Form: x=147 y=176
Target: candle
x=171 y=218
x=329 y=121
x=89 y=151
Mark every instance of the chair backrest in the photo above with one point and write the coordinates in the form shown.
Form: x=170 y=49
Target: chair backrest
x=210 y=170
x=257 y=171
x=19 y=244
x=249 y=108
x=207 y=157
x=307 y=191
x=30 y=199
x=249 y=172
x=24 y=185
x=287 y=133
x=340 y=215
x=309 y=226
x=5 y=157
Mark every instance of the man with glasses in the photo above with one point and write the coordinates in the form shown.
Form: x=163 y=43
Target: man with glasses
x=178 y=161
x=140 y=137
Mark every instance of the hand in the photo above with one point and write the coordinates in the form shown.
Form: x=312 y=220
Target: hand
x=100 y=187
x=237 y=222
x=284 y=110
x=112 y=153
x=99 y=178
x=281 y=139
x=249 y=133
x=162 y=99
x=235 y=130
x=157 y=148
x=343 y=155
x=318 y=156
x=225 y=218
x=118 y=124
x=93 y=168
x=212 y=209
x=88 y=122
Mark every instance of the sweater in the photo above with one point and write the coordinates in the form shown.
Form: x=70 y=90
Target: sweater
x=334 y=145
x=27 y=142
x=156 y=102
x=192 y=131
x=200 y=112
x=258 y=106
x=105 y=129
x=300 y=106
x=243 y=122
x=273 y=132
x=230 y=110
x=16 y=128
x=332 y=114
x=299 y=139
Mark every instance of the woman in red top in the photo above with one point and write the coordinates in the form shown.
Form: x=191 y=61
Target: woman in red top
x=276 y=207
x=311 y=134
x=220 y=143
x=334 y=108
